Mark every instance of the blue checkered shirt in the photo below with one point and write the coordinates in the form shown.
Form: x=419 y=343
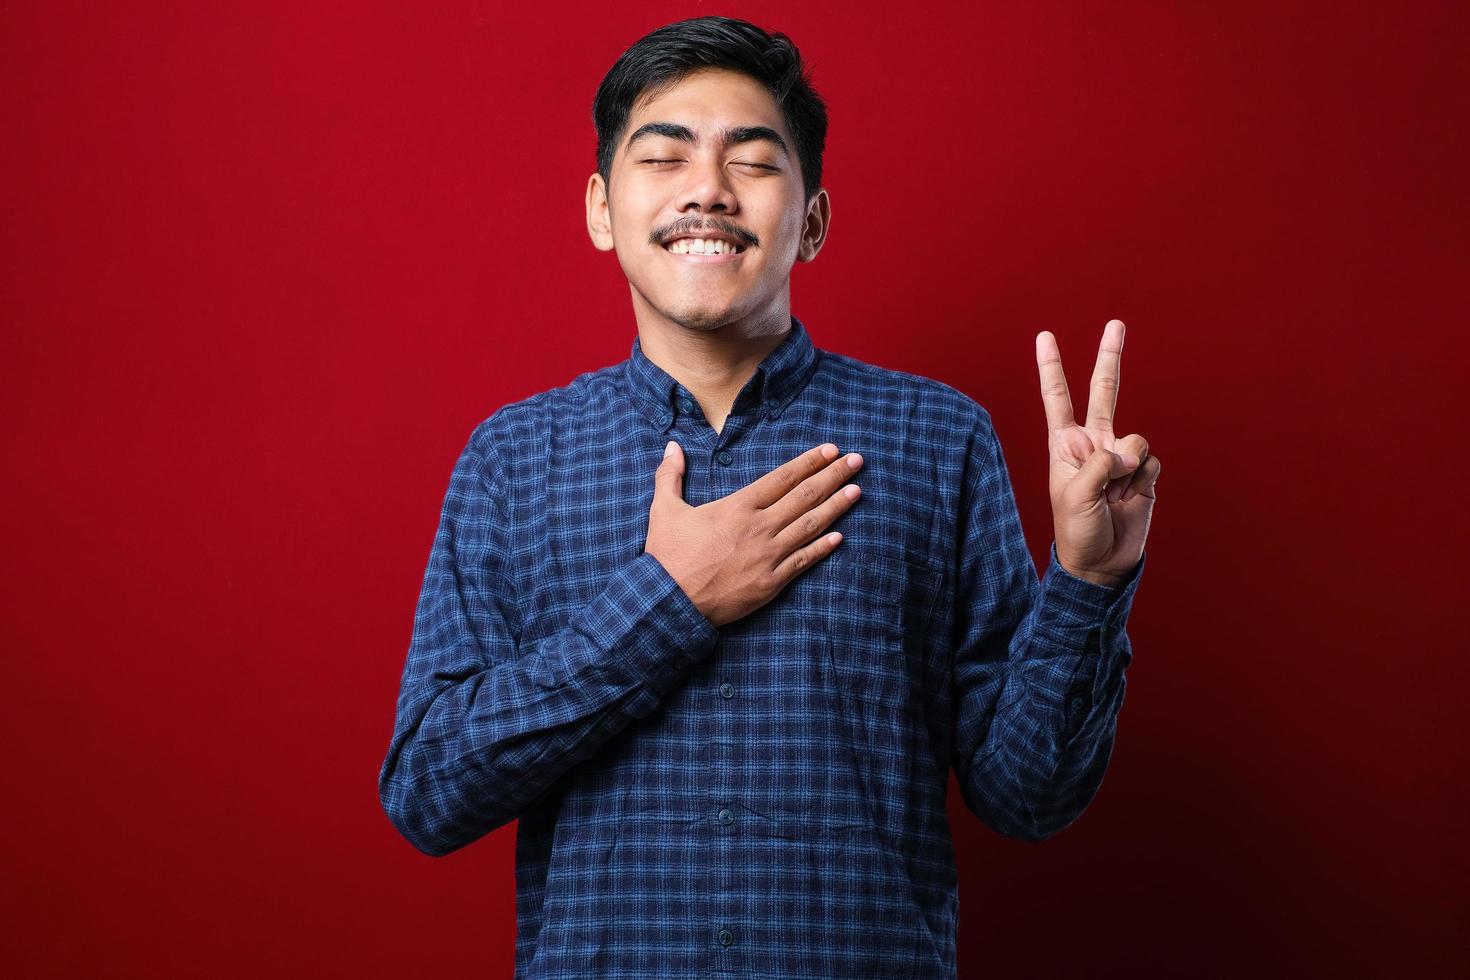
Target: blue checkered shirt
x=766 y=798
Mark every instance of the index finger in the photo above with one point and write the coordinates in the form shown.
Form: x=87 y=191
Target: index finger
x=1054 y=391
x=770 y=488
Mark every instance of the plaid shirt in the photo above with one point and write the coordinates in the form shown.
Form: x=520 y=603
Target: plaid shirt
x=766 y=798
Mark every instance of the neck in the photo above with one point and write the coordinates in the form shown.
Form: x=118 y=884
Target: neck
x=713 y=363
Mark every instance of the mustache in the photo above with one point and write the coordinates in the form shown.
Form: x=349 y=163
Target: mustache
x=686 y=228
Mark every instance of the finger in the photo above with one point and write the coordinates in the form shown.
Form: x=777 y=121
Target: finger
x=776 y=484
x=1103 y=400
x=668 y=479
x=1138 y=446
x=1143 y=482
x=806 y=526
x=813 y=491
x=1054 y=393
x=1101 y=467
x=804 y=558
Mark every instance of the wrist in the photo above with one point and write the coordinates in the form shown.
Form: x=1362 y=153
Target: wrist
x=1096 y=578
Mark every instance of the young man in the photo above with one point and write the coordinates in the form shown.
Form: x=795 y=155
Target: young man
x=726 y=734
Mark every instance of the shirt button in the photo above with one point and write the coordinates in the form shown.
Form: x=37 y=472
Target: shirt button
x=724 y=457
x=686 y=406
x=1077 y=703
x=727 y=816
x=727 y=690
x=726 y=937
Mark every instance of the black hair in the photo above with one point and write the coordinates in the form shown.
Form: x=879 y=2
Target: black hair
x=667 y=54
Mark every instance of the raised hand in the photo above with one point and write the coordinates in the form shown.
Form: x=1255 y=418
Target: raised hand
x=1102 y=487
x=735 y=554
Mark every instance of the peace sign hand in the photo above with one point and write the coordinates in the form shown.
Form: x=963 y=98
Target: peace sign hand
x=1102 y=488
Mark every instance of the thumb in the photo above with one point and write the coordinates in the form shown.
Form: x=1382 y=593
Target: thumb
x=668 y=479
x=1102 y=467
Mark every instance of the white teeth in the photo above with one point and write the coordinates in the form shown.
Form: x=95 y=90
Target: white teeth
x=701 y=246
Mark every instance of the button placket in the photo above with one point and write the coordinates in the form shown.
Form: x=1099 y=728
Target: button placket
x=725 y=788
x=726 y=758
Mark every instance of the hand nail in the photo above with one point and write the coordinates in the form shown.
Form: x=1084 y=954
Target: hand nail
x=1130 y=460
x=669 y=449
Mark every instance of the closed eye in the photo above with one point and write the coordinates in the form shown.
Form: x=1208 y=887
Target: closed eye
x=762 y=166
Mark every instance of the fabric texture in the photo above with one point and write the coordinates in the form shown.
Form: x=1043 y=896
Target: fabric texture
x=766 y=798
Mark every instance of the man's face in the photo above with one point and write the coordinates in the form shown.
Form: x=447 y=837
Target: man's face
x=697 y=161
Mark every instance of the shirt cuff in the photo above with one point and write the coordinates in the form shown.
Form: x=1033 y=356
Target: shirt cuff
x=1073 y=606
x=649 y=620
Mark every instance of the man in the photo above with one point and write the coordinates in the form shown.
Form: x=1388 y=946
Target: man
x=720 y=686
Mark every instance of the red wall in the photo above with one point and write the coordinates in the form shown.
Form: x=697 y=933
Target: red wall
x=264 y=269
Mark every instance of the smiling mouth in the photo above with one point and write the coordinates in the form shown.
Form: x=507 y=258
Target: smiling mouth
x=702 y=246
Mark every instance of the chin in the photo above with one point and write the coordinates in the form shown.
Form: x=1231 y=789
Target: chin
x=703 y=323
x=704 y=319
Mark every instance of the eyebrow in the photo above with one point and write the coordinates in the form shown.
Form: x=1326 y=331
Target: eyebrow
x=727 y=137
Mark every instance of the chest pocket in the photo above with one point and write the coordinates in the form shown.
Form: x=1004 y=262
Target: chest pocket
x=880 y=622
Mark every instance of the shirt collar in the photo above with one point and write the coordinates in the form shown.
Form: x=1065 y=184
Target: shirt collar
x=775 y=382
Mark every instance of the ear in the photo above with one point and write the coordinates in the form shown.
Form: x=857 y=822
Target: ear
x=599 y=220
x=814 y=230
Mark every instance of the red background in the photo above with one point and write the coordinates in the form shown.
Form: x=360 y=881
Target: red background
x=265 y=268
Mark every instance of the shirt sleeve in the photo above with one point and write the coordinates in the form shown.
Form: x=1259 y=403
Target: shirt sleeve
x=1039 y=666
x=485 y=723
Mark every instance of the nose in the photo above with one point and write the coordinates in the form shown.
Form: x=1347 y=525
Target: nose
x=708 y=188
